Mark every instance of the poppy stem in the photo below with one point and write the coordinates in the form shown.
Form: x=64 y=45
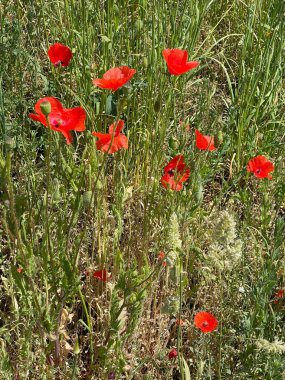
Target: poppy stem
x=49 y=248
x=88 y=212
x=179 y=336
x=88 y=324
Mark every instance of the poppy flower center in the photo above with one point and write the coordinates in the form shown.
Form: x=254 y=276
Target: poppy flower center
x=55 y=121
x=257 y=171
x=205 y=324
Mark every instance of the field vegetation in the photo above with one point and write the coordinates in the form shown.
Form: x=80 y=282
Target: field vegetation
x=142 y=213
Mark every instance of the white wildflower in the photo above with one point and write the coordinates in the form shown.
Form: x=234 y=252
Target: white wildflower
x=275 y=347
x=174 y=243
x=225 y=248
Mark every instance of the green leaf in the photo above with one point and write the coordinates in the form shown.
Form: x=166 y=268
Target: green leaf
x=186 y=369
x=18 y=279
x=111 y=105
x=68 y=272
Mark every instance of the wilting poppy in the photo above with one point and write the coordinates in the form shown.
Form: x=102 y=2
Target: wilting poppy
x=115 y=78
x=176 y=60
x=59 y=54
x=60 y=119
x=278 y=295
x=184 y=125
x=260 y=167
x=179 y=322
x=205 y=321
x=172 y=354
x=102 y=275
x=112 y=141
x=161 y=257
x=175 y=173
x=204 y=142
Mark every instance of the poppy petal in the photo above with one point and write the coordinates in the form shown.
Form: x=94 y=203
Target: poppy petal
x=191 y=65
x=114 y=140
x=115 y=78
x=61 y=119
x=260 y=166
x=176 y=163
x=118 y=127
x=102 y=275
x=205 y=321
x=204 y=142
x=66 y=134
x=102 y=83
x=39 y=118
x=59 y=53
x=176 y=60
x=56 y=106
x=76 y=118
x=168 y=182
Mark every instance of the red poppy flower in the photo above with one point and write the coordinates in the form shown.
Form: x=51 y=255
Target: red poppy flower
x=20 y=270
x=176 y=60
x=175 y=173
x=115 y=78
x=112 y=141
x=172 y=354
x=102 y=275
x=179 y=322
x=205 y=321
x=60 y=119
x=204 y=142
x=59 y=54
x=260 y=167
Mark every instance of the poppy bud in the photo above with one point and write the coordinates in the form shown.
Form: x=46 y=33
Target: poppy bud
x=171 y=305
x=111 y=105
x=76 y=348
x=145 y=62
x=45 y=108
x=157 y=105
x=172 y=354
x=99 y=185
x=173 y=143
x=198 y=190
x=133 y=298
x=122 y=103
x=56 y=192
x=87 y=198
x=218 y=138
x=139 y=24
x=179 y=322
x=10 y=143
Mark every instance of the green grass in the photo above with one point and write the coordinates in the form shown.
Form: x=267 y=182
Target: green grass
x=66 y=209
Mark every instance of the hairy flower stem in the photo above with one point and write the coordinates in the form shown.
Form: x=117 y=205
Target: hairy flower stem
x=47 y=216
x=88 y=213
x=47 y=187
x=88 y=324
x=179 y=336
